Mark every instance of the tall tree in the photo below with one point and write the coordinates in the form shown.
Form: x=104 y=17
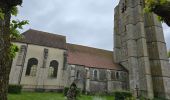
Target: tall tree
x=159 y=7
x=8 y=31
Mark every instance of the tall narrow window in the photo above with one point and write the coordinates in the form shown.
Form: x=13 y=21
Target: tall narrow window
x=117 y=75
x=78 y=74
x=95 y=74
x=113 y=75
x=53 y=69
x=32 y=67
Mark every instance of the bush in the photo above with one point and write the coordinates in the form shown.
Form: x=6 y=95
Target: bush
x=40 y=90
x=78 y=91
x=122 y=95
x=14 y=89
x=65 y=90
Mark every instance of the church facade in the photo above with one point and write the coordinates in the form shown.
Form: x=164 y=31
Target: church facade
x=45 y=62
x=139 y=62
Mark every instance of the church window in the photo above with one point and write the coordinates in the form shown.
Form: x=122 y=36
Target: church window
x=78 y=74
x=113 y=75
x=117 y=75
x=32 y=67
x=86 y=74
x=125 y=28
x=53 y=69
x=95 y=74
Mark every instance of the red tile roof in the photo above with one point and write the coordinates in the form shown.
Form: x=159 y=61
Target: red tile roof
x=43 y=39
x=91 y=57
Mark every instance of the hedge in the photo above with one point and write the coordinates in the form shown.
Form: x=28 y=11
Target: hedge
x=65 y=91
x=14 y=89
x=122 y=95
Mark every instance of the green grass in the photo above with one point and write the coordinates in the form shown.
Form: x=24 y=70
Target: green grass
x=50 y=96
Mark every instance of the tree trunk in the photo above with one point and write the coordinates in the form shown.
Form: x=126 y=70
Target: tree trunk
x=5 y=44
x=5 y=58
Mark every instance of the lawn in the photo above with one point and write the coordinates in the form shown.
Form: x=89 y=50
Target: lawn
x=51 y=96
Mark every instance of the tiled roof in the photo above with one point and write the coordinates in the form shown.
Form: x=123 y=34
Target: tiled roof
x=91 y=57
x=44 y=39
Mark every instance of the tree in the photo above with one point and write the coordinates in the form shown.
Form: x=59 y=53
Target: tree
x=168 y=53
x=159 y=7
x=8 y=32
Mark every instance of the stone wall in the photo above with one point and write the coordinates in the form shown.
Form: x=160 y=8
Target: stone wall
x=41 y=79
x=98 y=86
x=140 y=47
x=106 y=80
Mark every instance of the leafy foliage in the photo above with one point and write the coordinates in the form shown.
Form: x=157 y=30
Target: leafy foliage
x=1 y=14
x=15 y=25
x=65 y=91
x=13 y=50
x=159 y=7
x=78 y=91
x=151 y=4
x=14 y=10
x=168 y=54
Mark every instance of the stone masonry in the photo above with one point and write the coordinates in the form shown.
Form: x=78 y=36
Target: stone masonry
x=140 y=47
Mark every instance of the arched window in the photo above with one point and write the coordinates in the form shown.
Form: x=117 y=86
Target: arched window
x=32 y=67
x=95 y=74
x=53 y=69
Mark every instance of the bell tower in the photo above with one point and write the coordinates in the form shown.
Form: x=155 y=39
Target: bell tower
x=140 y=47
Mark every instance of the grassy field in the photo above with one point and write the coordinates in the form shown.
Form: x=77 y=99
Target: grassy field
x=51 y=96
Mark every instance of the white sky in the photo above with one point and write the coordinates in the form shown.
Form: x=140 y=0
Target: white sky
x=84 y=22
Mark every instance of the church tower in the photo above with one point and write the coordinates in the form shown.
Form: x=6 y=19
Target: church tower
x=140 y=47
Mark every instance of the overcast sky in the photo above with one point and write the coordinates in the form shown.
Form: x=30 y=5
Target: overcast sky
x=84 y=22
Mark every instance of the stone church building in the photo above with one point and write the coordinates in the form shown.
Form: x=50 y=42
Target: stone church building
x=139 y=62
x=46 y=62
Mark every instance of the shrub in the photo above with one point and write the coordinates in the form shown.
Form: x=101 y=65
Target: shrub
x=78 y=91
x=14 y=89
x=40 y=90
x=65 y=90
x=122 y=95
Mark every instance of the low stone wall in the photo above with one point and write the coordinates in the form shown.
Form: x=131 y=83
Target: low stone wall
x=98 y=86
x=46 y=88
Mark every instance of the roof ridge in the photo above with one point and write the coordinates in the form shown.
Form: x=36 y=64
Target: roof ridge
x=43 y=32
x=89 y=47
x=41 y=38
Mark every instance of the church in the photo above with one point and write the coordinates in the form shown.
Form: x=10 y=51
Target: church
x=138 y=62
x=46 y=62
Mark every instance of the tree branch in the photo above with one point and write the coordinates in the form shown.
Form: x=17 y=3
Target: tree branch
x=163 y=11
x=10 y=3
